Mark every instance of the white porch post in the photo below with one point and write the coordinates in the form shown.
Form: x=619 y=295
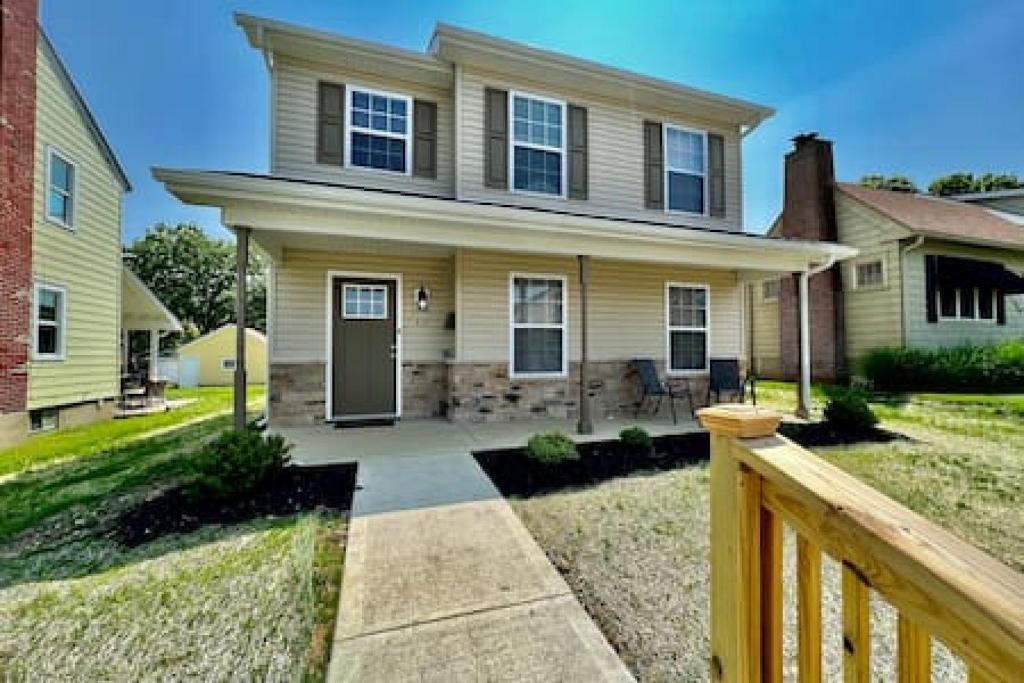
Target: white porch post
x=804 y=400
x=154 y=355
x=241 y=263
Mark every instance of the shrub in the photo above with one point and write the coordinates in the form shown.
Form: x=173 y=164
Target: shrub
x=636 y=439
x=848 y=409
x=551 y=448
x=237 y=462
x=948 y=369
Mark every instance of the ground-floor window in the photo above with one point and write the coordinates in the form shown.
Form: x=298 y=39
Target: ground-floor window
x=966 y=303
x=227 y=364
x=687 y=321
x=538 y=329
x=43 y=419
x=49 y=318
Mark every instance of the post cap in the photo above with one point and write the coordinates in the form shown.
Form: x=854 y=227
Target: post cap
x=739 y=420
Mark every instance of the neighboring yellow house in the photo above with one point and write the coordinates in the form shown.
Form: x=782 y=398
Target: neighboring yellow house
x=209 y=361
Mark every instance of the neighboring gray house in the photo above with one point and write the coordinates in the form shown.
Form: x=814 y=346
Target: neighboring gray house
x=930 y=272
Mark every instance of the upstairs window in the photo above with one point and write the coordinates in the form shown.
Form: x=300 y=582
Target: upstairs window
x=60 y=189
x=379 y=125
x=870 y=274
x=685 y=170
x=538 y=144
x=49 y=322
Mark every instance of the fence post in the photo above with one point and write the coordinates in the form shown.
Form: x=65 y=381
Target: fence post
x=736 y=602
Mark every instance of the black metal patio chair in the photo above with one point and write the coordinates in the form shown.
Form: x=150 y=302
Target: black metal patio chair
x=725 y=379
x=652 y=387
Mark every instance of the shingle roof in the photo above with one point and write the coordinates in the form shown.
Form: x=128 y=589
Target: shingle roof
x=941 y=218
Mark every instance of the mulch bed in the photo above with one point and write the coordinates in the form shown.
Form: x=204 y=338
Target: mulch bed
x=812 y=434
x=298 y=489
x=515 y=474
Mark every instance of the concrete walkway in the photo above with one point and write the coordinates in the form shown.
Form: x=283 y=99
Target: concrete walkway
x=443 y=583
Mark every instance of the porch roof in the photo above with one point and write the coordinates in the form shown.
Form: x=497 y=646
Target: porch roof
x=275 y=206
x=141 y=309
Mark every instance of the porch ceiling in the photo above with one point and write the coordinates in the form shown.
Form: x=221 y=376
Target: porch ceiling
x=284 y=209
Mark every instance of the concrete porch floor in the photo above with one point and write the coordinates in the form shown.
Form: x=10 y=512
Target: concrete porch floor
x=324 y=444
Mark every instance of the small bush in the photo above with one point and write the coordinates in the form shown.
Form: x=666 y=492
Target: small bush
x=949 y=369
x=636 y=439
x=237 y=462
x=848 y=409
x=551 y=448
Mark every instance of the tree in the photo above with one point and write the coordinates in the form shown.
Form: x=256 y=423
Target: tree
x=954 y=183
x=996 y=181
x=194 y=276
x=896 y=183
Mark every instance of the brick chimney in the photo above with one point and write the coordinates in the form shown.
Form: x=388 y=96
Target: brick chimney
x=18 y=35
x=809 y=213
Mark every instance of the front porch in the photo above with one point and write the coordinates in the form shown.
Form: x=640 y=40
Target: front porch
x=325 y=444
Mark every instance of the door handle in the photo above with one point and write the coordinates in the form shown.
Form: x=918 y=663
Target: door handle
x=394 y=351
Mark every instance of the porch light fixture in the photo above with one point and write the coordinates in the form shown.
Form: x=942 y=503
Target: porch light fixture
x=422 y=298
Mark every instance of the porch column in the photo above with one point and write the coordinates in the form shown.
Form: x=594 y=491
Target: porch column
x=154 y=355
x=241 y=261
x=803 y=408
x=585 y=424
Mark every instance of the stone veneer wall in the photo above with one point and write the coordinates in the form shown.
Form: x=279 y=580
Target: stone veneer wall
x=424 y=390
x=484 y=392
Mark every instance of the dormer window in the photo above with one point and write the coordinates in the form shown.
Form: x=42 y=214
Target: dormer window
x=685 y=169
x=378 y=130
x=538 y=145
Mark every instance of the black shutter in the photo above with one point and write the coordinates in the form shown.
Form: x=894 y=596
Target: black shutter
x=931 y=271
x=1001 y=308
x=424 y=139
x=577 y=150
x=496 y=138
x=654 y=166
x=330 y=123
x=716 y=175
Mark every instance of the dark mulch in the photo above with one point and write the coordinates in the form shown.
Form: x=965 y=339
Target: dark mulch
x=813 y=434
x=515 y=474
x=298 y=489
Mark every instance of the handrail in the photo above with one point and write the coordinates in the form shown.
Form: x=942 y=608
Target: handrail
x=940 y=585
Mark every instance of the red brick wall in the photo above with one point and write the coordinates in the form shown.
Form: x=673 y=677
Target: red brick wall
x=17 y=152
x=809 y=213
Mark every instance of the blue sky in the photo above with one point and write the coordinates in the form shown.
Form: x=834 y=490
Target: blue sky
x=921 y=88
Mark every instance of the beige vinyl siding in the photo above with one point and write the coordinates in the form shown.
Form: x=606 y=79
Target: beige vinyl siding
x=293 y=121
x=873 y=315
x=87 y=260
x=627 y=305
x=921 y=333
x=615 y=134
x=300 y=302
x=219 y=345
x=765 y=333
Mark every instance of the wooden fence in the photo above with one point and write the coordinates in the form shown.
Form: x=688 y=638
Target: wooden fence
x=940 y=585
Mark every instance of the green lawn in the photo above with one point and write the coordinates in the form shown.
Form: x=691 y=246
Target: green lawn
x=635 y=550
x=238 y=602
x=99 y=437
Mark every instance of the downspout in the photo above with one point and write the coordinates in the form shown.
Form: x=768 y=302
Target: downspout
x=918 y=241
x=804 y=398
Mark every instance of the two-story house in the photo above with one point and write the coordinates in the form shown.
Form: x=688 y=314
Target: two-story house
x=464 y=232
x=65 y=295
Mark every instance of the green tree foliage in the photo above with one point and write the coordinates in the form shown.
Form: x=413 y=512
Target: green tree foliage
x=966 y=183
x=194 y=276
x=997 y=181
x=896 y=183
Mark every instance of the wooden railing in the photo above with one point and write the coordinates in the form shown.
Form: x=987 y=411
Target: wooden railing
x=940 y=585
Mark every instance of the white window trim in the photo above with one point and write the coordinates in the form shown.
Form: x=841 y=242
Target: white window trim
x=361 y=316
x=664 y=147
x=669 y=329
x=513 y=325
x=72 y=195
x=512 y=95
x=224 y=364
x=778 y=292
x=959 y=317
x=62 y=326
x=867 y=261
x=350 y=90
x=44 y=430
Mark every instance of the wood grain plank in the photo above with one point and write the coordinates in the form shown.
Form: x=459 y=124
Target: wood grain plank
x=808 y=588
x=856 y=628
x=914 y=653
x=771 y=597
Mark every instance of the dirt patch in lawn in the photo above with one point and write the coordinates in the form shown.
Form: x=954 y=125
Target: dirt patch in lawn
x=298 y=489
x=516 y=474
x=816 y=434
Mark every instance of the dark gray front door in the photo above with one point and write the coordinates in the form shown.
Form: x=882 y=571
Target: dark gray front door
x=364 y=353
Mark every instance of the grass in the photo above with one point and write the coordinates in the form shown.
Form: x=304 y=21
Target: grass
x=244 y=601
x=87 y=440
x=635 y=550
